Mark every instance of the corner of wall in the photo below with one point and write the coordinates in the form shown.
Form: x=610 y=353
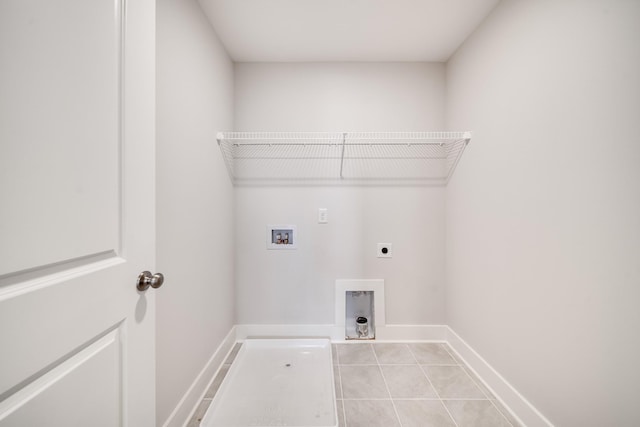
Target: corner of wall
x=186 y=407
x=194 y=101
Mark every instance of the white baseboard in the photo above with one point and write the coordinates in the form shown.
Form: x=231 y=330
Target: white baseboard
x=270 y=331
x=404 y=333
x=189 y=403
x=386 y=333
x=521 y=409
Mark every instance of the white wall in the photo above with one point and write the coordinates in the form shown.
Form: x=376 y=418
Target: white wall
x=194 y=198
x=543 y=212
x=297 y=287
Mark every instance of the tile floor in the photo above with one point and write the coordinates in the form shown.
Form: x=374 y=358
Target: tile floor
x=400 y=384
x=411 y=385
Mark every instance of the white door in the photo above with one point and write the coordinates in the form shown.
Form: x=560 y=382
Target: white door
x=76 y=212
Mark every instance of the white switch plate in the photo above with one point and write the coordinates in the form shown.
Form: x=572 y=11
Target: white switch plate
x=323 y=216
x=385 y=250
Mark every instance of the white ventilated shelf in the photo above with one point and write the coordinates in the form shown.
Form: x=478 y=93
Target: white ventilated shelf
x=360 y=157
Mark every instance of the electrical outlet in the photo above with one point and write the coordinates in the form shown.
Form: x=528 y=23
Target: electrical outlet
x=385 y=250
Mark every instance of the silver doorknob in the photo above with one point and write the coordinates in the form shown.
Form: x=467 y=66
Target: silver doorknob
x=146 y=279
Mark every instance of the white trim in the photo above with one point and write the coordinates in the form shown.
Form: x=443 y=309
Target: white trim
x=289 y=331
x=527 y=414
x=186 y=407
x=407 y=333
x=388 y=333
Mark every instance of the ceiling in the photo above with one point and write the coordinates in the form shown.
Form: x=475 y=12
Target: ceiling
x=344 y=30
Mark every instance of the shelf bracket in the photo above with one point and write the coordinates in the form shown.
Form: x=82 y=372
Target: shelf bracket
x=344 y=139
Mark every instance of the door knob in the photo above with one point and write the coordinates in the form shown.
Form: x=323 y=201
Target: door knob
x=146 y=279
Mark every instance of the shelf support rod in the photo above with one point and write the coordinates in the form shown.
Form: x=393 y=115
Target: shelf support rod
x=344 y=138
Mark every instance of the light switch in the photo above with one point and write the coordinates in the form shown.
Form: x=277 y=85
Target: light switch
x=323 y=216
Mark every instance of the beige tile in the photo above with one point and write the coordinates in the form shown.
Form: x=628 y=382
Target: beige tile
x=389 y=354
x=476 y=413
x=370 y=413
x=431 y=354
x=479 y=382
x=233 y=353
x=334 y=354
x=356 y=354
x=453 y=382
x=215 y=385
x=336 y=381
x=453 y=354
x=362 y=382
x=407 y=381
x=504 y=411
x=200 y=411
x=340 y=410
x=423 y=413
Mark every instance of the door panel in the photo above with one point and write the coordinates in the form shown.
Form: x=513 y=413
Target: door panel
x=65 y=309
x=44 y=402
x=77 y=212
x=59 y=127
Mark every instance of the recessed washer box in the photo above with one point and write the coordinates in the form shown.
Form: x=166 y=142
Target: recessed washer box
x=282 y=237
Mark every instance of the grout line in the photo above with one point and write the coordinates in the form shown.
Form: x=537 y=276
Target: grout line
x=344 y=411
x=493 y=402
x=463 y=399
x=400 y=364
x=366 y=399
x=359 y=364
x=491 y=399
x=482 y=388
x=421 y=364
x=393 y=404
x=434 y=389
x=455 y=357
x=500 y=412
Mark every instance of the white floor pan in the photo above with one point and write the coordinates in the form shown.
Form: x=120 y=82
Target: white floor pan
x=277 y=382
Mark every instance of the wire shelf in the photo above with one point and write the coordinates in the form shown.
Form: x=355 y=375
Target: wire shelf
x=253 y=157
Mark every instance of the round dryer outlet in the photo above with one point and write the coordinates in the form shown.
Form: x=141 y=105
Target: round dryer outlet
x=385 y=250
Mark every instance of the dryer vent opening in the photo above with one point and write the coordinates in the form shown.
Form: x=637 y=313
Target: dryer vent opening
x=360 y=315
